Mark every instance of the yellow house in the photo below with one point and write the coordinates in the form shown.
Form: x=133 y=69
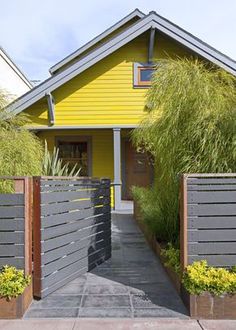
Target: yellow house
x=95 y=97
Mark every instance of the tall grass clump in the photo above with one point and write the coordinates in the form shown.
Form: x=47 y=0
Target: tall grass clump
x=190 y=127
x=20 y=150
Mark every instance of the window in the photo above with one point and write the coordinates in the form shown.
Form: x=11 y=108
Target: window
x=143 y=74
x=75 y=152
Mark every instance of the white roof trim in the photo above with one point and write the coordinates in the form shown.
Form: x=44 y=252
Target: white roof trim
x=67 y=59
x=151 y=20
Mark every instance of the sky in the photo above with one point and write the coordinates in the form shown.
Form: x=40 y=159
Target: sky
x=37 y=34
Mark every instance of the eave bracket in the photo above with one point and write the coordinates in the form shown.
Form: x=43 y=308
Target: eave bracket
x=51 y=108
x=151 y=45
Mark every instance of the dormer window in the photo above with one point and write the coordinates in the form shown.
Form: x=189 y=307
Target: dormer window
x=142 y=74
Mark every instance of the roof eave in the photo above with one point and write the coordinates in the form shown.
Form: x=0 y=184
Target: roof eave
x=149 y=21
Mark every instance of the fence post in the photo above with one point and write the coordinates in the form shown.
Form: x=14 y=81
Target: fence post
x=183 y=223
x=28 y=224
x=37 y=237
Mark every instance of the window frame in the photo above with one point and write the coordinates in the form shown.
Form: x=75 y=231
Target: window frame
x=137 y=68
x=78 y=138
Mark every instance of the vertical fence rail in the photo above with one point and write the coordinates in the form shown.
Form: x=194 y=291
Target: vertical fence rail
x=183 y=223
x=16 y=224
x=208 y=219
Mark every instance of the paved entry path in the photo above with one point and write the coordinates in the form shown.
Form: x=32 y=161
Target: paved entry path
x=131 y=284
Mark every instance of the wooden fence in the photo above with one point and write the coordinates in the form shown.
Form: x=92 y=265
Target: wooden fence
x=72 y=229
x=208 y=219
x=15 y=224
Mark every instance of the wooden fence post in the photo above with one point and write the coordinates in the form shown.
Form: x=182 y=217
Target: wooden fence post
x=183 y=223
x=36 y=237
x=28 y=224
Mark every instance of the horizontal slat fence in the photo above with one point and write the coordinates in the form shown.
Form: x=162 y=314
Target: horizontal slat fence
x=72 y=229
x=15 y=224
x=208 y=219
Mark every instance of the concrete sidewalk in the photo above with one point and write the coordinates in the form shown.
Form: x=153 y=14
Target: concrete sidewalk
x=117 y=324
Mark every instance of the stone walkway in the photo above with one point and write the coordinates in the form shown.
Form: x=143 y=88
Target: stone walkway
x=131 y=284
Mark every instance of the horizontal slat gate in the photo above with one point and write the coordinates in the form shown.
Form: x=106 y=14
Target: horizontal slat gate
x=209 y=210
x=72 y=229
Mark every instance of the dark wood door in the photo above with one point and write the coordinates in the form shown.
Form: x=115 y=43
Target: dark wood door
x=137 y=170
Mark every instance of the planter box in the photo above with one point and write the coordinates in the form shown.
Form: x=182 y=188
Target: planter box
x=203 y=306
x=16 y=307
x=208 y=306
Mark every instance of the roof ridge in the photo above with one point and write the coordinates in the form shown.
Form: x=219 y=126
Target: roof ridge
x=151 y=20
x=96 y=39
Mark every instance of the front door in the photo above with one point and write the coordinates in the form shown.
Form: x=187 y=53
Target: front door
x=137 y=171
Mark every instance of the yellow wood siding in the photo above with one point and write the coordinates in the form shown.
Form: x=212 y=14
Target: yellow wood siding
x=104 y=94
x=102 y=149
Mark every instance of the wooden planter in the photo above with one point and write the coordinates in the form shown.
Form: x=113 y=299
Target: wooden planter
x=208 y=306
x=203 y=306
x=16 y=307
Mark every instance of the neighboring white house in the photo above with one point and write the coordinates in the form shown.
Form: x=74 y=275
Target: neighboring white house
x=12 y=80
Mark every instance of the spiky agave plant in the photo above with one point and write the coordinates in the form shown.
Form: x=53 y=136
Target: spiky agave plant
x=52 y=165
x=190 y=127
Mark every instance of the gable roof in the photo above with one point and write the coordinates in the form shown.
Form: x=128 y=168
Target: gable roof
x=152 y=20
x=15 y=68
x=134 y=14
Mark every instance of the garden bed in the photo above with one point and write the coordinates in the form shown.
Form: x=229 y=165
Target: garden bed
x=156 y=247
x=16 y=307
x=203 y=306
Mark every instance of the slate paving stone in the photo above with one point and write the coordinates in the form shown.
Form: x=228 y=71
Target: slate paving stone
x=131 y=284
x=147 y=288
x=52 y=313
x=157 y=312
x=106 y=301
x=106 y=289
x=80 y=279
x=71 y=288
x=105 y=312
x=58 y=301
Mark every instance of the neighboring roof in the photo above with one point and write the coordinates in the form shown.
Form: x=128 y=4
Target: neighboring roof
x=14 y=67
x=152 y=20
x=100 y=37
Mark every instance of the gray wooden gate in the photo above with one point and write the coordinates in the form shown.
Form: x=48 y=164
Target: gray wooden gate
x=208 y=219
x=72 y=229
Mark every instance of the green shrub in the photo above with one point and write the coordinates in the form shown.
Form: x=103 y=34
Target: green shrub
x=12 y=282
x=199 y=277
x=172 y=256
x=20 y=150
x=190 y=127
x=52 y=165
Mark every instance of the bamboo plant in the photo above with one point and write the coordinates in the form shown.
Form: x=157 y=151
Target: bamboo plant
x=189 y=127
